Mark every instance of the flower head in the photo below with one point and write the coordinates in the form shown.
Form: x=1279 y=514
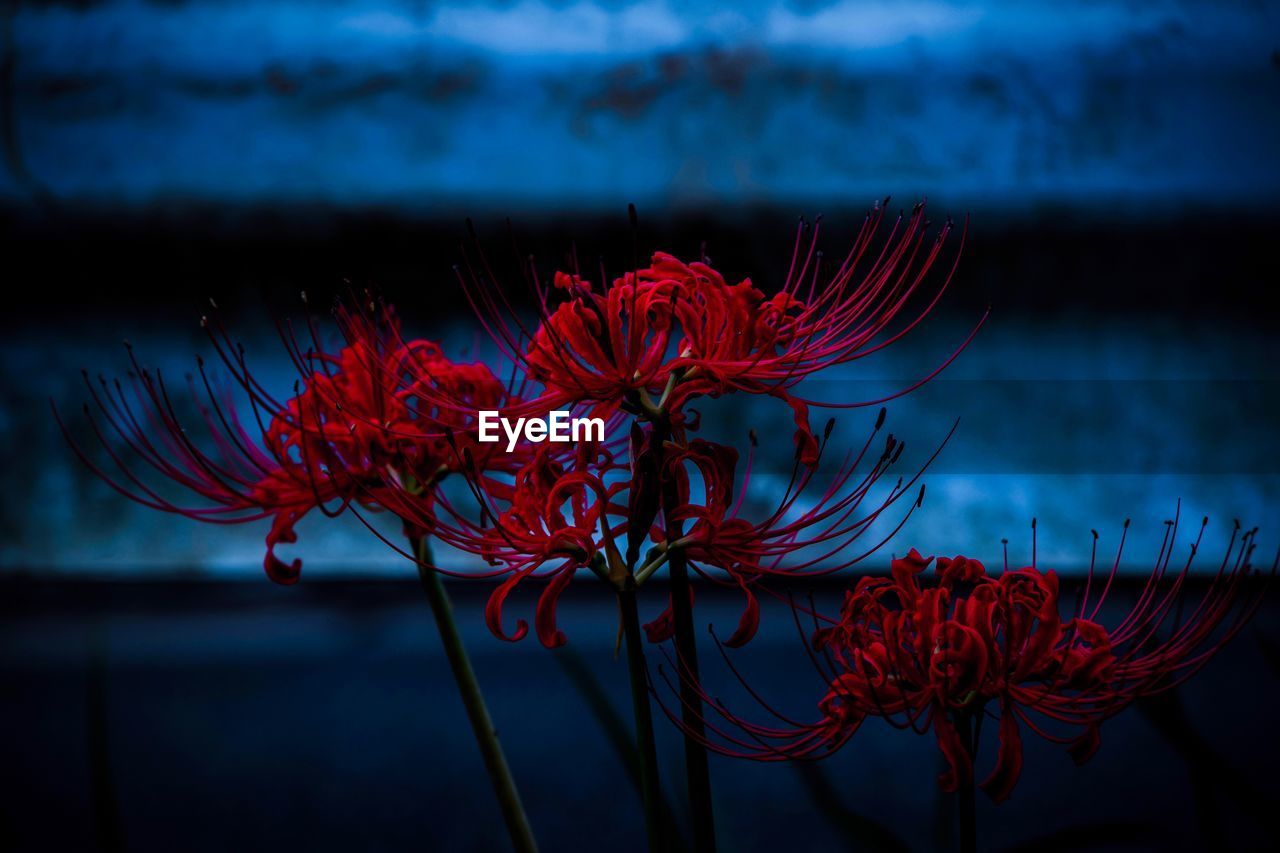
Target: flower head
x=558 y=515
x=663 y=334
x=354 y=434
x=943 y=650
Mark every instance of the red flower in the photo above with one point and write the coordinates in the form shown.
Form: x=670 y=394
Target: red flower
x=590 y=511
x=948 y=651
x=674 y=330
x=355 y=433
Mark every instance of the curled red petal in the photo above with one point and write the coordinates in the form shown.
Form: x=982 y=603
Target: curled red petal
x=959 y=764
x=1083 y=747
x=282 y=531
x=806 y=443
x=493 y=610
x=544 y=620
x=999 y=785
x=661 y=629
x=664 y=627
x=959 y=569
x=748 y=623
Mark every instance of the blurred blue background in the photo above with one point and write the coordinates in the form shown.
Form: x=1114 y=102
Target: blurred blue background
x=531 y=104
x=1118 y=161
x=1118 y=164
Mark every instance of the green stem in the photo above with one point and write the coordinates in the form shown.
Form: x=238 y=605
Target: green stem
x=504 y=786
x=965 y=725
x=645 y=741
x=697 y=767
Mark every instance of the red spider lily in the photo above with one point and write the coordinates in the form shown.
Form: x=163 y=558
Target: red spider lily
x=675 y=330
x=558 y=516
x=948 y=651
x=352 y=429
x=551 y=520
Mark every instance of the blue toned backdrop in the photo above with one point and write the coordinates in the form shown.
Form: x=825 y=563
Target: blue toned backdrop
x=529 y=105
x=161 y=153
x=1119 y=165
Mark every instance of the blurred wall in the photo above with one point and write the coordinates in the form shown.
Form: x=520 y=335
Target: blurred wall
x=562 y=105
x=1118 y=160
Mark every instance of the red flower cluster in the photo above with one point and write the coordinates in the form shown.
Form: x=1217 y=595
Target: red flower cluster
x=676 y=330
x=378 y=423
x=945 y=652
x=589 y=510
x=355 y=434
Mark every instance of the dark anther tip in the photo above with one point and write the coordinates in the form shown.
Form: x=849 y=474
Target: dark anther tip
x=831 y=425
x=880 y=417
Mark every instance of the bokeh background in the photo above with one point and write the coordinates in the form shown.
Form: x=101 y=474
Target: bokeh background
x=1117 y=164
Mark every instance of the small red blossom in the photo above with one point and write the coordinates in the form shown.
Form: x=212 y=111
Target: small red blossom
x=946 y=649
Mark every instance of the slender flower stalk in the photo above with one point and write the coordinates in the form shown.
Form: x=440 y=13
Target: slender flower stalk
x=348 y=433
x=697 y=768
x=646 y=744
x=969 y=727
x=486 y=735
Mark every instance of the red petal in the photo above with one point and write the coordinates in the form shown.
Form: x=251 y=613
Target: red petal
x=749 y=622
x=493 y=610
x=544 y=620
x=959 y=764
x=664 y=627
x=282 y=531
x=1083 y=747
x=1008 y=767
x=661 y=629
x=806 y=444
